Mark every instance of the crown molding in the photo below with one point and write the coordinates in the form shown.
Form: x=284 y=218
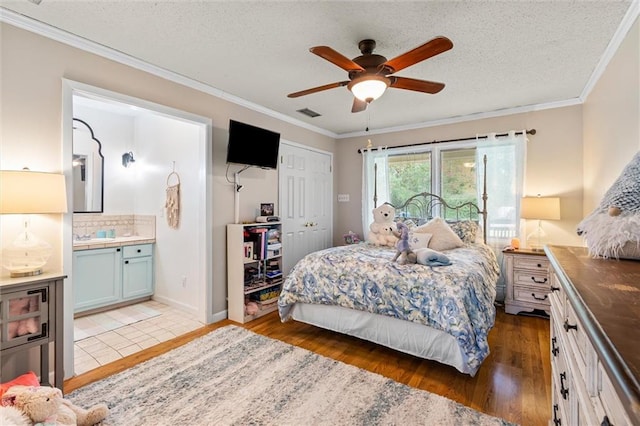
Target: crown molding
x=623 y=29
x=73 y=40
x=465 y=118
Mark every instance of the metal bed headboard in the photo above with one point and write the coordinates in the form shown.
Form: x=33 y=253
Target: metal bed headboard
x=424 y=206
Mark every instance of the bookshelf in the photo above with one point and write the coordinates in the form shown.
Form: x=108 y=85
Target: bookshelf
x=254 y=269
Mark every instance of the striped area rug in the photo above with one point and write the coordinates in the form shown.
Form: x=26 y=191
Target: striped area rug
x=233 y=376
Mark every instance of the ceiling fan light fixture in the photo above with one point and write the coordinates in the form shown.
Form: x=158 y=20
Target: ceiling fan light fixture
x=369 y=88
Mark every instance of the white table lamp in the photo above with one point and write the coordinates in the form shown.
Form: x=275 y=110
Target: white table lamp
x=26 y=192
x=539 y=208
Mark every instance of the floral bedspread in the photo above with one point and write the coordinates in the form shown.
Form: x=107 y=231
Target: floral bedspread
x=457 y=299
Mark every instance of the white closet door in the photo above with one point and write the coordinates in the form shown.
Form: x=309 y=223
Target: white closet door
x=306 y=188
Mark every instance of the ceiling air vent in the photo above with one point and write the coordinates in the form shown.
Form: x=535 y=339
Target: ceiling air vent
x=308 y=112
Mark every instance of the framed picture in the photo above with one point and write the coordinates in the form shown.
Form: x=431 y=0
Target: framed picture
x=266 y=209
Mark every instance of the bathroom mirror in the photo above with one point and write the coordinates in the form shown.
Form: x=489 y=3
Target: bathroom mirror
x=88 y=170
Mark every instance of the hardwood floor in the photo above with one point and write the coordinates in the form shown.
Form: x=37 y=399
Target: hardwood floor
x=514 y=382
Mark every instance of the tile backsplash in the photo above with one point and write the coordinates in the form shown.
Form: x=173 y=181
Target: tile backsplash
x=124 y=225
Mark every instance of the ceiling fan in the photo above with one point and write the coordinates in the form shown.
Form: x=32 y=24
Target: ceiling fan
x=370 y=74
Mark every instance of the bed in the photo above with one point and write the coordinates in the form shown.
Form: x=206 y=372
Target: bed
x=441 y=313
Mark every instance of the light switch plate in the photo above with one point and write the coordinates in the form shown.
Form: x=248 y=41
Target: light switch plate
x=343 y=198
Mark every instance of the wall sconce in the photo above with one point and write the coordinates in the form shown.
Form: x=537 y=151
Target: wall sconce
x=127 y=159
x=26 y=192
x=539 y=208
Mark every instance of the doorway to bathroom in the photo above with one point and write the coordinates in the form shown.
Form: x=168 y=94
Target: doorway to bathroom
x=162 y=147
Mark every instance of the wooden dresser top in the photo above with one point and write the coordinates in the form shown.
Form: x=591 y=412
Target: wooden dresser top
x=610 y=291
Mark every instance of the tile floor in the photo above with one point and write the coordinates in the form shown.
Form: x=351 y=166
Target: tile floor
x=108 y=336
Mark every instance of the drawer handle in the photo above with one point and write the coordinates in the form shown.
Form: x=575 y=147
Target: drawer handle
x=564 y=391
x=126 y=262
x=539 y=265
x=606 y=422
x=556 y=419
x=555 y=288
x=539 y=298
x=41 y=335
x=568 y=326
x=554 y=349
x=117 y=249
x=139 y=251
x=539 y=282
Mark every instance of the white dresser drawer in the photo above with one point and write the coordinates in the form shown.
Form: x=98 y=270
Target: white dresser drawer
x=577 y=339
x=613 y=409
x=531 y=278
x=532 y=262
x=531 y=295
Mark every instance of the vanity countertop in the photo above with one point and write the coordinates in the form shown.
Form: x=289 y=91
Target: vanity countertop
x=98 y=243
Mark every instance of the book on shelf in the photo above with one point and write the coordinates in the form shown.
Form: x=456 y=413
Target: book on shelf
x=248 y=250
x=259 y=238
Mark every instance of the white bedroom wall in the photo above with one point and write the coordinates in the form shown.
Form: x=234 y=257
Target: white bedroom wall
x=554 y=163
x=161 y=141
x=612 y=120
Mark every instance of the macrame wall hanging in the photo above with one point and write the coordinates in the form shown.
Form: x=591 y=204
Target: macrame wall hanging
x=172 y=204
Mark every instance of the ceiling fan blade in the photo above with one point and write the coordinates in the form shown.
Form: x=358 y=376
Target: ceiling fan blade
x=317 y=89
x=336 y=58
x=420 y=53
x=358 y=105
x=416 y=85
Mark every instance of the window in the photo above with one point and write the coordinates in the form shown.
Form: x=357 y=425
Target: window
x=451 y=170
x=458 y=179
x=409 y=174
x=455 y=179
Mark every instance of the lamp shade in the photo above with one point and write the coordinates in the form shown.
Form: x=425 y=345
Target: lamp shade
x=541 y=208
x=26 y=192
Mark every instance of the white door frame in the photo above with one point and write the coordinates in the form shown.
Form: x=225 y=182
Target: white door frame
x=205 y=241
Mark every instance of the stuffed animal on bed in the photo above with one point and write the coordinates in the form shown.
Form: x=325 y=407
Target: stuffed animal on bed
x=404 y=254
x=381 y=230
x=612 y=230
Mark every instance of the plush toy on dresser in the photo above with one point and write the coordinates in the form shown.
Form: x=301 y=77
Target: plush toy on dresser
x=612 y=230
x=382 y=228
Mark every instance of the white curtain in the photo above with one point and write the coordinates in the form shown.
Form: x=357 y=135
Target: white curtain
x=506 y=162
x=374 y=181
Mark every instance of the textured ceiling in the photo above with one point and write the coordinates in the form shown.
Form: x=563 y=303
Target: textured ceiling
x=505 y=55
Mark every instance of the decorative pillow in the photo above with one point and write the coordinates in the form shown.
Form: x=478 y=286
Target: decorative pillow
x=467 y=230
x=410 y=224
x=418 y=240
x=442 y=236
x=27 y=379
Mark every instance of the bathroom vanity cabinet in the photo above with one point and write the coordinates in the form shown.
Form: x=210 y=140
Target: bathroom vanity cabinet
x=109 y=276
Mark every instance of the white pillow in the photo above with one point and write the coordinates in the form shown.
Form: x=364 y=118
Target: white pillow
x=442 y=236
x=418 y=240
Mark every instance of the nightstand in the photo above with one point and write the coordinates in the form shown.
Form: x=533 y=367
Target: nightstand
x=44 y=294
x=527 y=281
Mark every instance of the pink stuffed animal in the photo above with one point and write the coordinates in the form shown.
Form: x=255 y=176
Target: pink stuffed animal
x=21 y=306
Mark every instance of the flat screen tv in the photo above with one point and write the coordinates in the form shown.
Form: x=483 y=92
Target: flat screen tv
x=252 y=146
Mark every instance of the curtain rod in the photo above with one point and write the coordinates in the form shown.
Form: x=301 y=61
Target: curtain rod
x=529 y=132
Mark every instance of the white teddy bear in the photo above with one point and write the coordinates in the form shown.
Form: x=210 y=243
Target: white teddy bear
x=381 y=230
